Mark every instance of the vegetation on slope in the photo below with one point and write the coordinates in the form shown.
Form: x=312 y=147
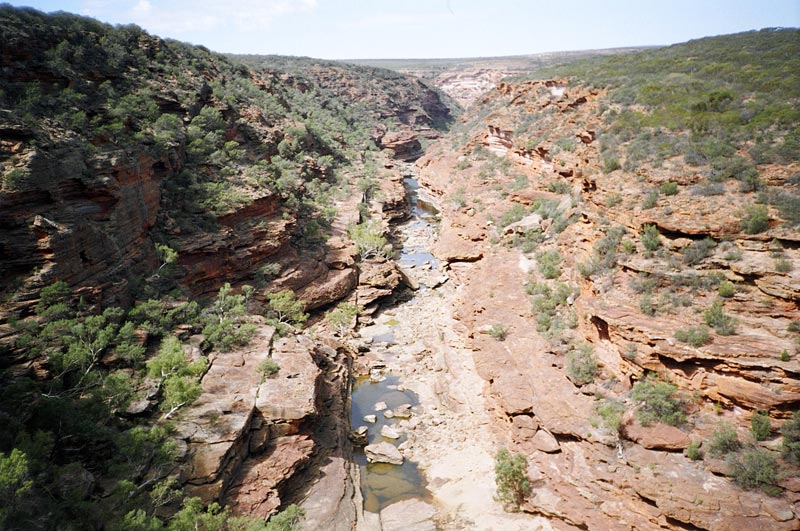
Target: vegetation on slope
x=720 y=106
x=73 y=453
x=612 y=166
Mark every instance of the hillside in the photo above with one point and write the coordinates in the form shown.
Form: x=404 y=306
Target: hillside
x=140 y=178
x=631 y=226
x=268 y=293
x=465 y=79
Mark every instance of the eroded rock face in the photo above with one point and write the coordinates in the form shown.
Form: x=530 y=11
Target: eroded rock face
x=248 y=437
x=377 y=279
x=583 y=477
x=404 y=144
x=95 y=238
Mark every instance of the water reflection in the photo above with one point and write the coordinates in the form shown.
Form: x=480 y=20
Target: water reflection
x=383 y=484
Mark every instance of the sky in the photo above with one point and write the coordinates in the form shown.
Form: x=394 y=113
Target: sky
x=361 y=29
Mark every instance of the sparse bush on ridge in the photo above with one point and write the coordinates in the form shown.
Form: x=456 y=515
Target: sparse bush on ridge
x=695 y=336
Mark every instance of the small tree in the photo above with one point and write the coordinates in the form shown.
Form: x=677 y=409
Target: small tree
x=511 y=477
x=755 y=469
x=760 y=426
x=179 y=378
x=370 y=240
x=791 y=438
x=285 y=310
x=166 y=254
x=224 y=328
x=14 y=482
x=611 y=412
x=342 y=317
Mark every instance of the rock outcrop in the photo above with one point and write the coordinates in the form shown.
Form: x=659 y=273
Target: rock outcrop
x=583 y=476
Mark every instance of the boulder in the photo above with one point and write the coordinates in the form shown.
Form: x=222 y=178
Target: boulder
x=359 y=436
x=383 y=452
x=389 y=432
x=545 y=442
x=659 y=436
x=402 y=411
x=377 y=279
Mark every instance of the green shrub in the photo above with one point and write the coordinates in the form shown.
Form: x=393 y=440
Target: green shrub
x=669 y=188
x=628 y=247
x=657 y=402
x=268 y=367
x=498 y=331
x=755 y=219
x=549 y=263
x=782 y=265
x=791 y=438
x=698 y=250
x=14 y=178
x=755 y=469
x=760 y=425
x=695 y=336
x=511 y=477
x=650 y=200
x=558 y=187
x=512 y=215
x=726 y=289
x=267 y=273
x=694 y=452
x=650 y=238
x=723 y=441
x=722 y=323
x=288 y=519
x=610 y=164
x=369 y=240
x=613 y=200
x=646 y=304
x=611 y=412
x=785 y=355
x=581 y=365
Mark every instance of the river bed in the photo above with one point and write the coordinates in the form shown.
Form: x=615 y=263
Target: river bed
x=384 y=484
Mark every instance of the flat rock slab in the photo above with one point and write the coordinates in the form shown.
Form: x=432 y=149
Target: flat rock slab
x=659 y=436
x=290 y=395
x=408 y=515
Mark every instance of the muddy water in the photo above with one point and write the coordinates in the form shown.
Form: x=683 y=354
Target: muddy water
x=384 y=484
